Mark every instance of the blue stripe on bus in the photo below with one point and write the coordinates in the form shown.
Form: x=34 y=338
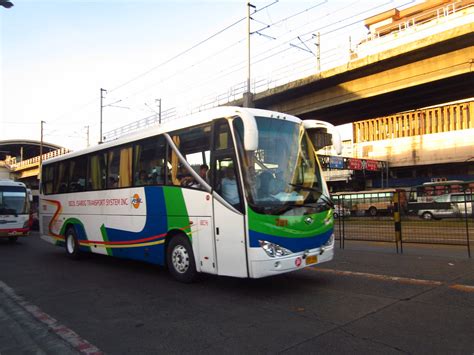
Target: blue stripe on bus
x=293 y=244
x=156 y=224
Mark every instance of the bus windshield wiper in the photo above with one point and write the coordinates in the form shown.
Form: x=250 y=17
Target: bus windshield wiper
x=323 y=197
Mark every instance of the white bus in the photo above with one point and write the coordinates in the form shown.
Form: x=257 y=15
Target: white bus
x=261 y=209
x=15 y=219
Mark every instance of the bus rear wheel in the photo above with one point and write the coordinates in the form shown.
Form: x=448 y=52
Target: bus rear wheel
x=372 y=211
x=72 y=244
x=180 y=259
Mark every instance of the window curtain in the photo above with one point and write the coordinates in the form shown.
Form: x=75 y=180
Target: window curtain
x=95 y=173
x=125 y=167
x=174 y=162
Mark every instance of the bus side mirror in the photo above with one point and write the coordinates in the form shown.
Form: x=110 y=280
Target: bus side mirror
x=323 y=134
x=250 y=130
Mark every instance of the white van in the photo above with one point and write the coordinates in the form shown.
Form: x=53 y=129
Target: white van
x=448 y=206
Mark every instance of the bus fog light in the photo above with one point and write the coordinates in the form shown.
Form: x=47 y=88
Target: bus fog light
x=274 y=250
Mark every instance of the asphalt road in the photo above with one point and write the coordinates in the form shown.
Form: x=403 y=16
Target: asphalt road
x=362 y=302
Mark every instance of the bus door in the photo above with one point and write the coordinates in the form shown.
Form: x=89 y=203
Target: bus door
x=229 y=227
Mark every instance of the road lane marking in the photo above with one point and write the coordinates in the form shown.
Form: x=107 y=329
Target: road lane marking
x=463 y=288
x=63 y=332
x=404 y=280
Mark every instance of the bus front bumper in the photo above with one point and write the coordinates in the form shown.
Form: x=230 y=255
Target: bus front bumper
x=262 y=265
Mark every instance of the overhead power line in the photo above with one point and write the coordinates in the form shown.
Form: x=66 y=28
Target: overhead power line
x=187 y=50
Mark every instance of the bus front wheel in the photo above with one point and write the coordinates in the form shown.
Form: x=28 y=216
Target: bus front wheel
x=72 y=244
x=180 y=259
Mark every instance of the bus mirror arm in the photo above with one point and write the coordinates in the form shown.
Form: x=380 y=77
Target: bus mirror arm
x=250 y=130
x=196 y=176
x=183 y=161
x=335 y=136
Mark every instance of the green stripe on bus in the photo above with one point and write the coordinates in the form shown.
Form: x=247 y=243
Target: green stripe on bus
x=295 y=227
x=105 y=237
x=176 y=211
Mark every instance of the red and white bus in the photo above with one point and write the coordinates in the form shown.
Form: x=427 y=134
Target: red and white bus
x=15 y=217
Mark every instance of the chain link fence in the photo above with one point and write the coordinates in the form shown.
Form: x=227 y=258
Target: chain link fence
x=391 y=216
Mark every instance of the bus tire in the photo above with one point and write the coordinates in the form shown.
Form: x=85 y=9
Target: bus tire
x=71 y=243
x=372 y=211
x=180 y=259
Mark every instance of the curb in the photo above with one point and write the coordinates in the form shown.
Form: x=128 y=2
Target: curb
x=69 y=336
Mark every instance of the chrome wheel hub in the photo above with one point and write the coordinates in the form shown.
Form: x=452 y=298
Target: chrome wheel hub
x=180 y=258
x=70 y=244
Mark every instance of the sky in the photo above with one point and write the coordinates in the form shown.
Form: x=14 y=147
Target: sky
x=56 y=55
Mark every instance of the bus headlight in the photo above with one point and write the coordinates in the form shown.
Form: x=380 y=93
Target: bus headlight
x=330 y=241
x=274 y=250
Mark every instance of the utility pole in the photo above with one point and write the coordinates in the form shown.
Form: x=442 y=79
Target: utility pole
x=247 y=97
x=87 y=133
x=41 y=145
x=159 y=110
x=318 y=51
x=101 y=108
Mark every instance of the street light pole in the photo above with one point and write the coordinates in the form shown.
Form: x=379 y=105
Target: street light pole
x=101 y=108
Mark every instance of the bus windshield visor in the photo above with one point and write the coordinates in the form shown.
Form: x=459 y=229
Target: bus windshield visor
x=283 y=173
x=13 y=200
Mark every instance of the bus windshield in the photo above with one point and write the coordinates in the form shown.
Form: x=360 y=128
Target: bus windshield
x=13 y=200
x=283 y=173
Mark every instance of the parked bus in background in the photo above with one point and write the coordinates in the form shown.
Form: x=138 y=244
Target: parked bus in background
x=371 y=202
x=429 y=190
x=15 y=219
x=262 y=209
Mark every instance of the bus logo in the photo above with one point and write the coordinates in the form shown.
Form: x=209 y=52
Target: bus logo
x=308 y=220
x=136 y=201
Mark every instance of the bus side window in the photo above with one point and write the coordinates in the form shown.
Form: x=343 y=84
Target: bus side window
x=47 y=178
x=119 y=167
x=61 y=178
x=149 y=161
x=77 y=174
x=97 y=171
x=226 y=181
x=194 y=144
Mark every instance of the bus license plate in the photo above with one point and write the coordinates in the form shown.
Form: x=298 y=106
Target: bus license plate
x=312 y=259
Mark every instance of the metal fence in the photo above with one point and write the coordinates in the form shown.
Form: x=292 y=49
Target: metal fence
x=448 y=219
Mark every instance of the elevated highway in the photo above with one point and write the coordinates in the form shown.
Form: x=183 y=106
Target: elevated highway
x=435 y=69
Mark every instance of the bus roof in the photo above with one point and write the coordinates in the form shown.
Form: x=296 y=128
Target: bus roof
x=179 y=123
x=11 y=183
x=366 y=191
